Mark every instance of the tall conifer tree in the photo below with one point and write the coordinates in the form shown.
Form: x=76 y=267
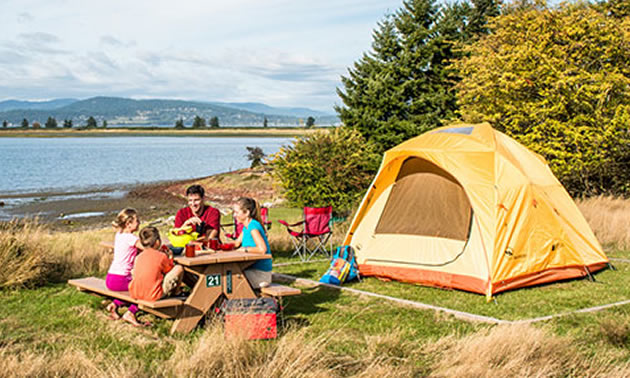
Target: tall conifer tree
x=405 y=85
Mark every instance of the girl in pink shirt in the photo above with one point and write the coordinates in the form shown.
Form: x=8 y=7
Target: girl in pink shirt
x=126 y=246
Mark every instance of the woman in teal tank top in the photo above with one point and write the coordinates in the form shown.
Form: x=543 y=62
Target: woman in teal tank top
x=253 y=239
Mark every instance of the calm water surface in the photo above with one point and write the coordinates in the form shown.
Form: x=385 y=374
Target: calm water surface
x=36 y=165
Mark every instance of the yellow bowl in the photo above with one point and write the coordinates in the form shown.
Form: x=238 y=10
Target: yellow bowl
x=181 y=240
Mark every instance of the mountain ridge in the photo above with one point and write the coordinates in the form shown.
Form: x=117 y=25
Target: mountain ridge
x=120 y=111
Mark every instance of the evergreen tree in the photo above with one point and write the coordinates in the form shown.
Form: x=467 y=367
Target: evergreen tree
x=310 y=122
x=265 y=122
x=199 y=123
x=370 y=94
x=67 y=123
x=104 y=123
x=51 y=123
x=24 y=123
x=255 y=155
x=405 y=85
x=214 y=122
x=91 y=123
x=179 y=124
x=478 y=13
x=5 y=124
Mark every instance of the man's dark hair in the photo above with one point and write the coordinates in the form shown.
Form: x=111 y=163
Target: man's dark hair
x=148 y=236
x=195 y=189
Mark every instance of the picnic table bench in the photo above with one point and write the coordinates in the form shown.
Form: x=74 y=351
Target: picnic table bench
x=164 y=308
x=277 y=290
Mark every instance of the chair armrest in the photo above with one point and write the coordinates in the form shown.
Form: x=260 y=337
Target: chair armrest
x=284 y=223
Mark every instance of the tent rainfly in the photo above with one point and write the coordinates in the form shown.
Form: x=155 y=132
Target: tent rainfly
x=467 y=207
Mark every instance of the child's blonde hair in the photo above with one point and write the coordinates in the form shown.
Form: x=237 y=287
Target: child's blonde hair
x=125 y=216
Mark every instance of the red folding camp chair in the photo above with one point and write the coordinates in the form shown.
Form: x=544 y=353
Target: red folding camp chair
x=264 y=217
x=238 y=227
x=315 y=234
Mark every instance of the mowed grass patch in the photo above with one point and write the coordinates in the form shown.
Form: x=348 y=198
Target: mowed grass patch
x=57 y=318
x=526 y=303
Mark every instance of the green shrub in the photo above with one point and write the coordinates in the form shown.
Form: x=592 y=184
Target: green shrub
x=556 y=79
x=326 y=168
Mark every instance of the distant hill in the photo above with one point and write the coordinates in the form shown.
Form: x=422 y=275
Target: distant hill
x=257 y=107
x=128 y=112
x=42 y=105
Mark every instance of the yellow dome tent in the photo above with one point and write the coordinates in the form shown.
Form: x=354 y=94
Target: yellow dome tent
x=467 y=207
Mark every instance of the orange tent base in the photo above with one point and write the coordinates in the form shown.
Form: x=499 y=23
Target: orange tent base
x=461 y=282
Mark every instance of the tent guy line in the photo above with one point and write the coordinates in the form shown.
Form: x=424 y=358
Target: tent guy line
x=458 y=314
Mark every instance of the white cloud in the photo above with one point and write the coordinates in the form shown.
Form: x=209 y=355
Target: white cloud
x=280 y=52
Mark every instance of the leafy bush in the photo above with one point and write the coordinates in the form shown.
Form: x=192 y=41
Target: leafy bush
x=326 y=168
x=557 y=81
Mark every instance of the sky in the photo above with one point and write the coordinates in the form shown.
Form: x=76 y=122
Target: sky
x=288 y=53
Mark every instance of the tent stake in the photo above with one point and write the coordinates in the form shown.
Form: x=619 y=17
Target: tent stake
x=590 y=276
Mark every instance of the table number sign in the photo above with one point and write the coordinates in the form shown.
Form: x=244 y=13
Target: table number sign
x=213 y=280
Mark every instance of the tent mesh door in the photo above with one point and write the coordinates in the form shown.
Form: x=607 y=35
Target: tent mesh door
x=426 y=200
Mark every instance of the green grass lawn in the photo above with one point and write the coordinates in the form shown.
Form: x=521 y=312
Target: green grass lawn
x=556 y=298
x=561 y=297
x=58 y=317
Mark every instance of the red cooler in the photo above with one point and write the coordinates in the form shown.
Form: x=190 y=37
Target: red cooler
x=251 y=319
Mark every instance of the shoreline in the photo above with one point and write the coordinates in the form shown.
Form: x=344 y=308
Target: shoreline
x=93 y=208
x=258 y=132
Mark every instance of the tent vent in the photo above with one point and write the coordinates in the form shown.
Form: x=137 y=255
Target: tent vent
x=456 y=130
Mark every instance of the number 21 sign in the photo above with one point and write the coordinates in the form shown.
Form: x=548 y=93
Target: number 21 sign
x=213 y=280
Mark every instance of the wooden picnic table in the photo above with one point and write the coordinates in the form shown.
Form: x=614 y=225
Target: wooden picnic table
x=216 y=274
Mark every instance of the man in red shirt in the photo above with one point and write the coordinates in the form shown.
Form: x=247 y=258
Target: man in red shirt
x=199 y=214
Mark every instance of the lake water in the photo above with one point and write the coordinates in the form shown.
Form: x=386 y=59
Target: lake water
x=75 y=165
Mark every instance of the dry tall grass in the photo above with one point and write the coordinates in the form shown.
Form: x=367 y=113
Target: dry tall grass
x=69 y=363
x=292 y=355
x=31 y=255
x=517 y=351
x=609 y=217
